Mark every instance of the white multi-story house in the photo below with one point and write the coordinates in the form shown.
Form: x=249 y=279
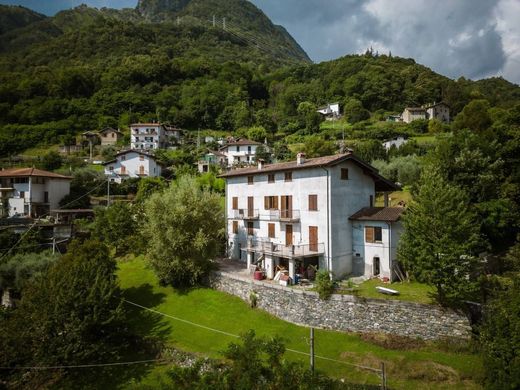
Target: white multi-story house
x=31 y=192
x=241 y=151
x=296 y=214
x=132 y=163
x=148 y=136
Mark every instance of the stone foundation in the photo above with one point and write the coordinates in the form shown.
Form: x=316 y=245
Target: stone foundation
x=347 y=312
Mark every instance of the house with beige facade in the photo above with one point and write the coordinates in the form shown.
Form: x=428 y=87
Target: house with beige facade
x=110 y=136
x=297 y=216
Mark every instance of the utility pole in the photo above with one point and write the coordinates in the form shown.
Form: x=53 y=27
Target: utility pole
x=214 y=21
x=312 y=349
x=53 y=245
x=108 y=191
x=383 y=376
x=224 y=23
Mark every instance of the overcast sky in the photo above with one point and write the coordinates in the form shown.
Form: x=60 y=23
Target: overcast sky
x=471 y=38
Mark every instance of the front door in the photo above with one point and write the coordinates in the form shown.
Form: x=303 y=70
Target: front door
x=141 y=170
x=377 y=266
x=313 y=238
x=288 y=235
x=250 y=206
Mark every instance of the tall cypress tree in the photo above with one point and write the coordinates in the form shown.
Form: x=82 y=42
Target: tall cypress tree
x=441 y=239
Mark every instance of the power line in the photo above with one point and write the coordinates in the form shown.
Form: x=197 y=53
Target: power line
x=237 y=336
x=85 y=365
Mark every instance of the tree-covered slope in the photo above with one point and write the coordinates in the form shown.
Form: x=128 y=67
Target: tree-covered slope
x=13 y=17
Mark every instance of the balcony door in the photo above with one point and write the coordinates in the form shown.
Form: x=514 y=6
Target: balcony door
x=286 y=206
x=288 y=235
x=313 y=238
x=250 y=206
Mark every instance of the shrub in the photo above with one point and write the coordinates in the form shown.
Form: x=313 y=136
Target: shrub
x=324 y=284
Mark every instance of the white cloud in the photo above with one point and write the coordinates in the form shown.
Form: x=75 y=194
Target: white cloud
x=507 y=15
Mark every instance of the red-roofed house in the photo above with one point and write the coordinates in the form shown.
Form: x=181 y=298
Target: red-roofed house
x=31 y=192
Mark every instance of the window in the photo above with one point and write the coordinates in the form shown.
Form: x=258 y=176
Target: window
x=46 y=197
x=235 y=227
x=235 y=203
x=288 y=176
x=123 y=158
x=249 y=149
x=313 y=202
x=270 y=202
x=110 y=168
x=371 y=201
x=250 y=180
x=250 y=228
x=141 y=157
x=238 y=148
x=373 y=234
x=113 y=135
x=271 y=230
x=22 y=194
x=270 y=178
x=344 y=173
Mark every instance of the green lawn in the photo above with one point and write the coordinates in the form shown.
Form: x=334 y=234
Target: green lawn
x=409 y=291
x=426 y=367
x=425 y=139
x=395 y=198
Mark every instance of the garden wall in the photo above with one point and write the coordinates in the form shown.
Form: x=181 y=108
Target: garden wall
x=347 y=312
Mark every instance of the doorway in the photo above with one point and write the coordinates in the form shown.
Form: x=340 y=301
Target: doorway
x=376 y=266
x=288 y=235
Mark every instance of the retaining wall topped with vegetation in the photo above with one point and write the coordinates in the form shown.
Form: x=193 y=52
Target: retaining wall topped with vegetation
x=347 y=312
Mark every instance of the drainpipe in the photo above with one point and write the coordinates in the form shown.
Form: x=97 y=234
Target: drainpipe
x=390 y=261
x=30 y=197
x=329 y=261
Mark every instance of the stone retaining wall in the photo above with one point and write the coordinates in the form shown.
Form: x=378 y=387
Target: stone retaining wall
x=347 y=312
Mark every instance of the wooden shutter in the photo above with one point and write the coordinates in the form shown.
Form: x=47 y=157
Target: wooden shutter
x=266 y=203
x=344 y=173
x=313 y=202
x=235 y=227
x=270 y=228
x=235 y=203
x=288 y=235
x=250 y=228
x=313 y=238
x=369 y=234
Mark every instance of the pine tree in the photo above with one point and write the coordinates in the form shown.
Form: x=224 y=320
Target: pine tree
x=441 y=239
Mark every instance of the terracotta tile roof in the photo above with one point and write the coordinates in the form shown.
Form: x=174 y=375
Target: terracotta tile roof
x=109 y=130
x=26 y=172
x=386 y=214
x=382 y=184
x=138 y=151
x=146 y=124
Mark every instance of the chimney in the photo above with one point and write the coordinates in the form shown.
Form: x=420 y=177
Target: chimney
x=300 y=158
x=260 y=164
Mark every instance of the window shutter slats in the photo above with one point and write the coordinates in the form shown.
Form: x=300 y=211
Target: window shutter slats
x=369 y=234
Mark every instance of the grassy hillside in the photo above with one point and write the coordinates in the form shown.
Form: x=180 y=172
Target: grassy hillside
x=423 y=365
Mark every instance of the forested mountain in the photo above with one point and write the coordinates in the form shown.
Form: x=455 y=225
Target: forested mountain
x=166 y=60
x=16 y=17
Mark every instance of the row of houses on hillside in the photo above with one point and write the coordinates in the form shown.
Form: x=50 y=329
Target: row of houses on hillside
x=312 y=213
x=234 y=153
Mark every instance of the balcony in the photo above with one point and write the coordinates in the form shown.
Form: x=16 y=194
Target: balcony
x=247 y=214
x=265 y=246
x=141 y=173
x=284 y=215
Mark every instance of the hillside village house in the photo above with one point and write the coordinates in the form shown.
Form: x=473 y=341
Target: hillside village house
x=296 y=215
x=150 y=136
x=397 y=142
x=109 y=136
x=213 y=157
x=439 y=111
x=330 y=111
x=241 y=151
x=31 y=192
x=132 y=163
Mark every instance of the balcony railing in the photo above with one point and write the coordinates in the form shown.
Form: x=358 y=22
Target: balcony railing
x=284 y=215
x=141 y=173
x=288 y=251
x=245 y=214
